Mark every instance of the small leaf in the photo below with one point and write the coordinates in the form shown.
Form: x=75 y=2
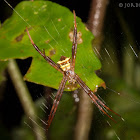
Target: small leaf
x=50 y=26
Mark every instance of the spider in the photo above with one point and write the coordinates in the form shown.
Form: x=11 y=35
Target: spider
x=66 y=66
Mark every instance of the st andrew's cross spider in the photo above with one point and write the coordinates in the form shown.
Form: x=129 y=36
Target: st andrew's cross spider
x=66 y=66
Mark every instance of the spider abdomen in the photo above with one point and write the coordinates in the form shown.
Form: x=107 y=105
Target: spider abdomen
x=64 y=63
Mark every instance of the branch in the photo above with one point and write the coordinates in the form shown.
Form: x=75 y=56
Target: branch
x=96 y=20
x=24 y=96
x=85 y=111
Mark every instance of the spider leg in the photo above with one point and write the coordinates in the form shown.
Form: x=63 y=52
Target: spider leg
x=56 y=101
x=95 y=99
x=101 y=103
x=74 y=46
x=48 y=59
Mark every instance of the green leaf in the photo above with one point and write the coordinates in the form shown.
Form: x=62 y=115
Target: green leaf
x=51 y=27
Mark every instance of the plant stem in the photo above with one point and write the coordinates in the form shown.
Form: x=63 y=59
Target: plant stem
x=96 y=16
x=85 y=111
x=96 y=20
x=24 y=96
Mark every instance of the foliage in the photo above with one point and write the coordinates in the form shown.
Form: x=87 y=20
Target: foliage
x=51 y=30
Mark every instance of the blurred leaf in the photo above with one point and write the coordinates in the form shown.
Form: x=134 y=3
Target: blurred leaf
x=4 y=133
x=22 y=133
x=51 y=30
x=119 y=65
x=25 y=130
x=64 y=122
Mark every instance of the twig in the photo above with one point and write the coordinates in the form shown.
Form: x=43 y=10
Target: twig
x=96 y=21
x=96 y=16
x=24 y=96
x=85 y=111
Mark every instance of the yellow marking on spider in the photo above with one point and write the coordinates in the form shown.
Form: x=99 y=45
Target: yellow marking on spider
x=65 y=64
